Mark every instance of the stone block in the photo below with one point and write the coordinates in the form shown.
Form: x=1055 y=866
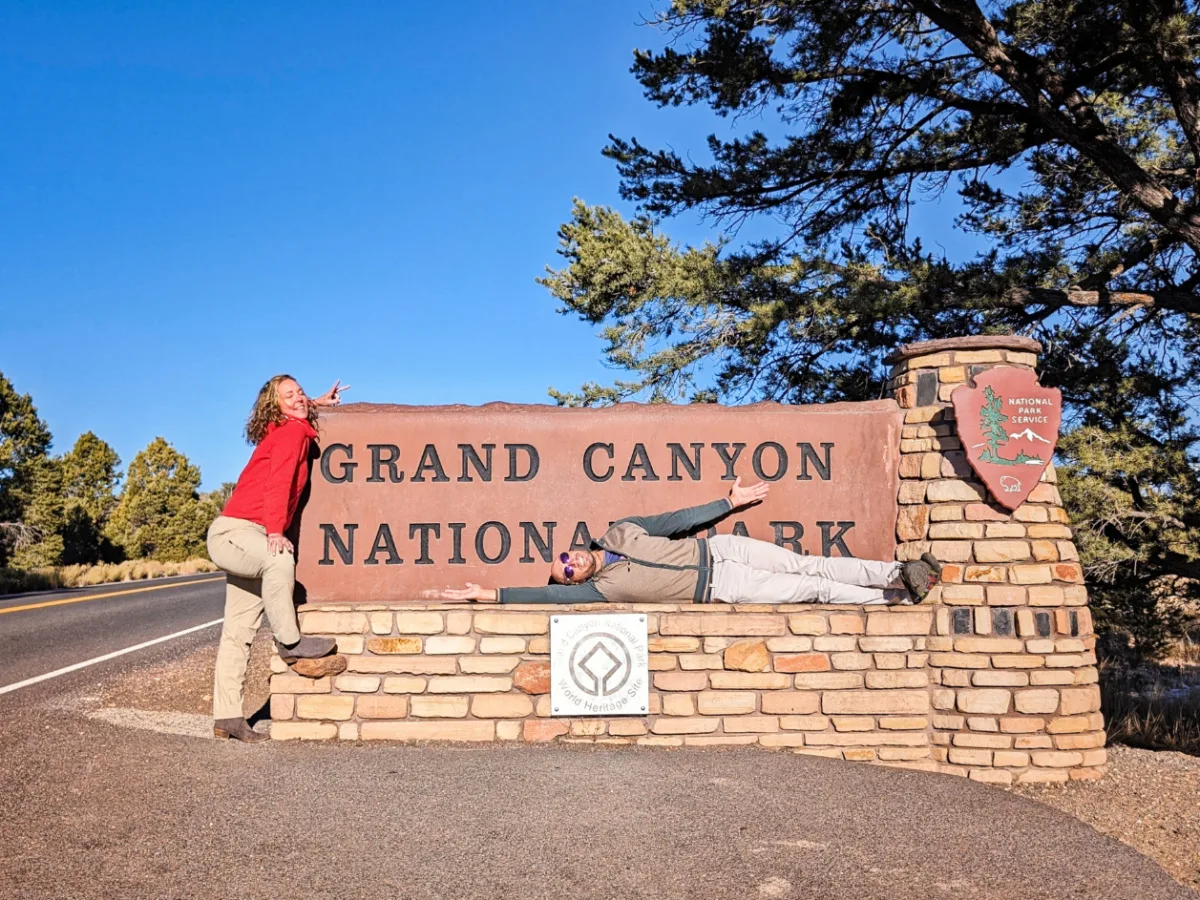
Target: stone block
x=981 y=512
x=1057 y=759
x=906 y=678
x=911 y=522
x=673 y=644
x=381 y=622
x=1001 y=551
x=502 y=645
x=847 y=623
x=747 y=624
x=791 y=702
x=808 y=624
x=747 y=656
x=803 y=662
x=725 y=703
x=403 y=665
x=765 y=681
x=283 y=706
x=384 y=707
x=839 y=643
x=294 y=684
x=488 y=665
x=627 y=727
x=850 y=661
x=1030 y=574
x=512 y=623
x=460 y=623
x=962 y=594
x=501 y=706
x=1080 y=700
x=303 y=731
x=803 y=723
x=403 y=684
x=899 y=623
x=853 y=723
x=985 y=700
x=999 y=530
x=539 y=732
x=954 y=491
x=357 y=684
x=828 y=681
x=751 y=724
x=420 y=623
x=680 y=681
x=319 y=622
x=464 y=731
x=684 y=726
x=678 y=705
x=324 y=706
x=449 y=644
x=426 y=706
x=875 y=702
x=469 y=684
x=990 y=678
x=903 y=723
x=390 y=646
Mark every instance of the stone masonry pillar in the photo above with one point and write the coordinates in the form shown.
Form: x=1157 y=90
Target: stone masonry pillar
x=1012 y=657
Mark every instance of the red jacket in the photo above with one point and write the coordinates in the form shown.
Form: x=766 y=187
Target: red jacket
x=269 y=488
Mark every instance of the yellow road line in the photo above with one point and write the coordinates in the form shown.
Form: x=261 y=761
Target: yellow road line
x=156 y=587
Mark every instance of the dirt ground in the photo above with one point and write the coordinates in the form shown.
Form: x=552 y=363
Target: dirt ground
x=1149 y=800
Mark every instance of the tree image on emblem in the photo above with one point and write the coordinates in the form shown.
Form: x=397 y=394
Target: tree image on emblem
x=991 y=425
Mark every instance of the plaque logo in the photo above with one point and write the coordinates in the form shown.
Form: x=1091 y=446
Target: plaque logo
x=1008 y=425
x=599 y=665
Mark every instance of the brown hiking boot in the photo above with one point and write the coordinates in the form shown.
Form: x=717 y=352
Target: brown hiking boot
x=319 y=668
x=237 y=730
x=307 y=647
x=920 y=576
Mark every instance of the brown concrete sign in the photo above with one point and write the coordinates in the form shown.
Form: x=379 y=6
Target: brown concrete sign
x=1008 y=425
x=409 y=499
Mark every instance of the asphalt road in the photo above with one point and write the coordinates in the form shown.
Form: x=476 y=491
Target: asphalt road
x=103 y=810
x=40 y=633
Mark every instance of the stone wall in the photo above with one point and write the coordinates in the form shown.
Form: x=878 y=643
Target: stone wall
x=993 y=677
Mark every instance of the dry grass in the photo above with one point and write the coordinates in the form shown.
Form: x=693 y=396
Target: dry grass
x=1156 y=705
x=14 y=581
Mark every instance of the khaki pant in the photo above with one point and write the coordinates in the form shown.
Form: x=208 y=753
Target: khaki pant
x=746 y=570
x=257 y=581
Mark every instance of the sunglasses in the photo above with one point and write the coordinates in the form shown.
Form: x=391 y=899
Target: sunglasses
x=568 y=571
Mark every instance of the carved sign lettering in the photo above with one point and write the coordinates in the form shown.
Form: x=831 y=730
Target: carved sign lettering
x=406 y=500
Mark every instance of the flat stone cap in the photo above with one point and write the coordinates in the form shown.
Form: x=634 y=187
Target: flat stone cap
x=972 y=342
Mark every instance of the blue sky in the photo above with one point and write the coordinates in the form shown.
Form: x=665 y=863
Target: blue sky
x=196 y=195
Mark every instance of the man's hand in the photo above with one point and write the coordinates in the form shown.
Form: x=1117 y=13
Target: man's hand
x=277 y=543
x=331 y=397
x=471 y=593
x=744 y=496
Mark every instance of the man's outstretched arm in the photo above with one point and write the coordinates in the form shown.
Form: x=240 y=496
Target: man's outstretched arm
x=684 y=520
x=550 y=593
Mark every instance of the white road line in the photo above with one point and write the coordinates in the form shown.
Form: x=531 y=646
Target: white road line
x=107 y=656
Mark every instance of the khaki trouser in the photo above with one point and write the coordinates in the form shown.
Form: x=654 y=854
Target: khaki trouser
x=258 y=581
x=746 y=570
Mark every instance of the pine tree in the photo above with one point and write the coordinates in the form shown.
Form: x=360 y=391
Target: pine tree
x=992 y=425
x=159 y=514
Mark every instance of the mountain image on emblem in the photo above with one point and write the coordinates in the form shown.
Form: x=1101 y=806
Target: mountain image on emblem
x=995 y=435
x=1029 y=434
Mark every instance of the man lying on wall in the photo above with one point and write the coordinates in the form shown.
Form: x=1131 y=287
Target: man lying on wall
x=651 y=559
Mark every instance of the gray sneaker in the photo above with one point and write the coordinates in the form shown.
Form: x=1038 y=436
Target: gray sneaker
x=920 y=575
x=307 y=647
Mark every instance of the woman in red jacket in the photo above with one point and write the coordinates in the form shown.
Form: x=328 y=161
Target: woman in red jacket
x=247 y=541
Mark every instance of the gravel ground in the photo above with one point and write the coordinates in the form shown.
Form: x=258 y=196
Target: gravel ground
x=1149 y=800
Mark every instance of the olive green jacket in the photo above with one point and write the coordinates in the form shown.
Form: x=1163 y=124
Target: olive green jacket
x=660 y=564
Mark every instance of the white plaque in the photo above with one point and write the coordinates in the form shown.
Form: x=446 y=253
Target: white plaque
x=599 y=665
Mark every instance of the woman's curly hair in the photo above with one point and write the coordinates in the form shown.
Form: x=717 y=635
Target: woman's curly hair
x=266 y=410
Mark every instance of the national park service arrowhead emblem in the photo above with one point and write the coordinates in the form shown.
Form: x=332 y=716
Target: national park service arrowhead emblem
x=1008 y=426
